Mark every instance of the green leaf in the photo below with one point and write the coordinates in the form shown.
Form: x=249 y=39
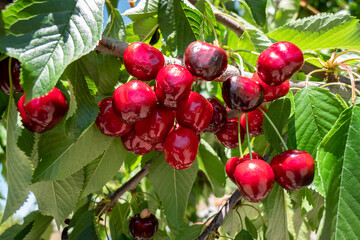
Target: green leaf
x=102 y=169
x=322 y=31
x=338 y=160
x=119 y=219
x=115 y=27
x=231 y=223
x=41 y=224
x=61 y=156
x=243 y=235
x=48 y=35
x=205 y=8
x=145 y=27
x=85 y=227
x=173 y=188
x=190 y=232
x=211 y=165
x=286 y=11
x=258 y=10
x=143 y=10
x=18 y=165
x=250 y=227
x=316 y=111
x=275 y=209
x=58 y=198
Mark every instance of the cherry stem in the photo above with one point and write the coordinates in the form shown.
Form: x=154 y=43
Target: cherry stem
x=248 y=205
x=350 y=59
x=150 y=33
x=112 y=16
x=239 y=215
x=316 y=58
x=340 y=84
x=213 y=29
x=10 y=79
x=107 y=236
x=239 y=137
x=352 y=79
x=242 y=70
x=244 y=50
x=347 y=51
x=248 y=136
x=3 y=57
x=312 y=72
x=275 y=129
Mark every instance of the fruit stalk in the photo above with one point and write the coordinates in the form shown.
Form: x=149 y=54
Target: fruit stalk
x=248 y=135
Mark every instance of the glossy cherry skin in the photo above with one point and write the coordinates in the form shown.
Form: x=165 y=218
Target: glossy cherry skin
x=242 y=93
x=45 y=112
x=255 y=122
x=272 y=92
x=133 y=143
x=133 y=101
x=196 y=114
x=228 y=134
x=143 y=61
x=31 y=126
x=157 y=126
x=219 y=116
x=15 y=75
x=254 y=179
x=294 y=169
x=279 y=62
x=180 y=148
x=232 y=163
x=159 y=147
x=205 y=60
x=173 y=86
x=108 y=123
x=143 y=228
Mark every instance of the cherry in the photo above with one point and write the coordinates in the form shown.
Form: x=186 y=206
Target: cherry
x=279 y=62
x=232 y=163
x=133 y=101
x=228 y=134
x=173 y=86
x=143 y=225
x=254 y=179
x=143 y=61
x=242 y=93
x=43 y=113
x=157 y=126
x=294 y=169
x=272 y=92
x=180 y=147
x=196 y=114
x=133 y=143
x=219 y=116
x=255 y=122
x=108 y=123
x=159 y=147
x=205 y=60
x=15 y=75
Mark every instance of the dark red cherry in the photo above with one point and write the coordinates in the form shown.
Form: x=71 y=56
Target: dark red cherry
x=279 y=62
x=143 y=61
x=180 y=148
x=196 y=114
x=232 y=163
x=272 y=92
x=133 y=101
x=133 y=143
x=45 y=112
x=294 y=169
x=143 y=225
x=159 y=147
x=15 y=75
x=219 y=116
x=254 y=179
x=228 y=134
x=108 y=123
x=242 y=93
x=157 y=126
x=205 y=60
x=255 y=122
x=173 y=86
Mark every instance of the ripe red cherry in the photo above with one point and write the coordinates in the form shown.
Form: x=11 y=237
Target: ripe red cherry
x=196 y=114
x=242 y=93
x=205 y=60
x=159 y=147
x=279 y=62
x=43 y=113
x=133 y=101
x=133 y=143
x=228 y=134
x=294 y=169
x=108 y=123
x=15 y=75
x=232 y=163
x=143 y=61
x=173 y=86
x=143 y=225
x=219 y=116
x=180 y=148
x=272 y=92
x=254 y=179
x=157 y=126
x=255 y=122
